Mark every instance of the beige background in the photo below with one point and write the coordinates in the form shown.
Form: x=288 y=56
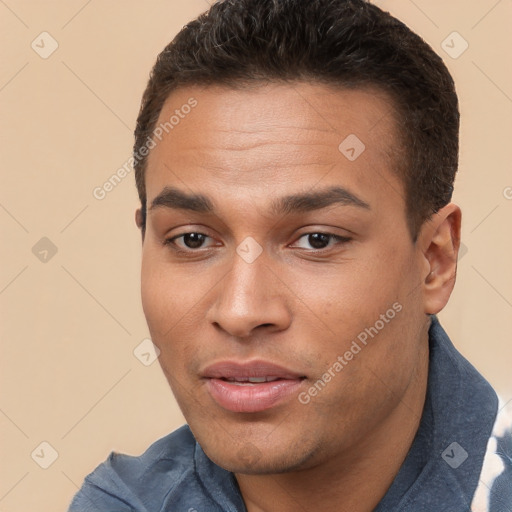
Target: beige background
x=69 y=325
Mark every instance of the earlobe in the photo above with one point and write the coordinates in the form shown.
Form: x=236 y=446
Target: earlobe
x=139 y=220
x=441 y=242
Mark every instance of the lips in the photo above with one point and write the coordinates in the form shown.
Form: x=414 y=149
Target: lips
x=250 y=386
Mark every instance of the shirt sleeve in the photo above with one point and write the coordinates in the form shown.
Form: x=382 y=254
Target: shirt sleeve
x=104 y=490
x=91 y=498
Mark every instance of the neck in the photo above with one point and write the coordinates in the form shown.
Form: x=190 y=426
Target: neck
x=355 y=480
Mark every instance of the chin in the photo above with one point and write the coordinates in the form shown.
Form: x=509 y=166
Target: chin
x=251 y=459
x=263 y=466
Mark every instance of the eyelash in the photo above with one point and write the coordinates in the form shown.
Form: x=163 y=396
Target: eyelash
x=170 y=242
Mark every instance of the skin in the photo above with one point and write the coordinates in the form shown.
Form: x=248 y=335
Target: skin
x=298 y=304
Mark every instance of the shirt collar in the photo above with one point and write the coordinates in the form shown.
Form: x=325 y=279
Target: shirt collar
x=446 y=456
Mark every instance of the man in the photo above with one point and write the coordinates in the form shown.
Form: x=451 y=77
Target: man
x=295 y=163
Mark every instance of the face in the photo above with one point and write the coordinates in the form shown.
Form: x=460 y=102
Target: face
x=276 y=249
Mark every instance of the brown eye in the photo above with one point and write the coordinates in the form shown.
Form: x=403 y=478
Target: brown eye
x=320 y=241
x=191 y=241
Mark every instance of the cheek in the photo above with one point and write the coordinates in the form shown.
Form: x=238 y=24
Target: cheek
x=154 y=300
x=366 y=301
x=347 y=297
x=171 y=302
x=163 y=300
x=166 y=295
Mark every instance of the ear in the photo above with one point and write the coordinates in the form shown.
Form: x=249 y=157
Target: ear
x=439 y=240
x=139 y=220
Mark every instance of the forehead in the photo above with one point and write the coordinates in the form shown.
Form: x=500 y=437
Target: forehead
x=275 y=137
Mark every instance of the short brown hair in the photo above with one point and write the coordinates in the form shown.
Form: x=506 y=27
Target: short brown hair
x=346 y=43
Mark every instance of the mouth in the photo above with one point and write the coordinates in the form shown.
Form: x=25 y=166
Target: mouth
x=243 y=381
x=251 y=386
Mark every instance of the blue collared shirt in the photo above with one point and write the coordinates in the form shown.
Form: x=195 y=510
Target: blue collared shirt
x=460 y=459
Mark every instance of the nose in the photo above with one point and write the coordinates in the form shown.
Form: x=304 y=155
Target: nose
x=250 y=298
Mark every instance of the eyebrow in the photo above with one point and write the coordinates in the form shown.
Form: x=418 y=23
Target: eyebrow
x=173 y=198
